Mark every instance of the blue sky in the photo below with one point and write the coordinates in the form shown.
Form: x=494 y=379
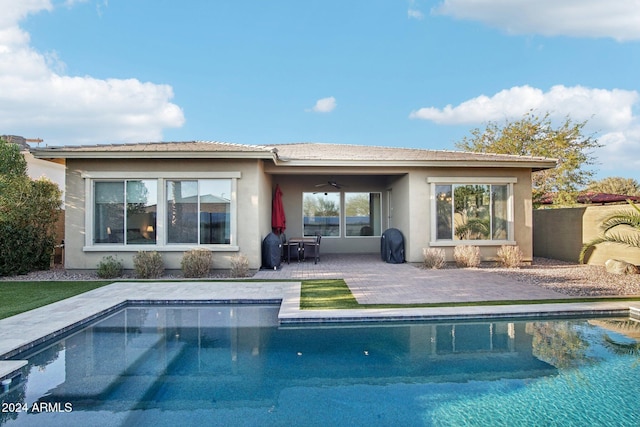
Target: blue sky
x=404 y=73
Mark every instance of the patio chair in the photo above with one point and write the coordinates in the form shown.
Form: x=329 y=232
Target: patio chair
x=290 y=249
x=311 y=248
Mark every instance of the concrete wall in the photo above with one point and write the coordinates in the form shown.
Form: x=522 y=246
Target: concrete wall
x=253 y=202
x=561 y=233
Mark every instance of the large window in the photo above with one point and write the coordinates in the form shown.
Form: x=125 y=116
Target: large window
x=161 y=211
x=362 y=214
x=472 y=211
x=321 y=214
x=125 y=212
x=199 y=211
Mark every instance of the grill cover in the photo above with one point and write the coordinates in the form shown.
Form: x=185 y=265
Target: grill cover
x=271 y=252
x=392 y=246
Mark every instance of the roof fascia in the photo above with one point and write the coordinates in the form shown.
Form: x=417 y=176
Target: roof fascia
x=533 y=164
x=70 y=154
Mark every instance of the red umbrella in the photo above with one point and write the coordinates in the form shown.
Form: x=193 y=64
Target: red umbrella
x=278 y=218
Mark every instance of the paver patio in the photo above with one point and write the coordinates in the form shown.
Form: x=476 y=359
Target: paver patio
x=373 y=281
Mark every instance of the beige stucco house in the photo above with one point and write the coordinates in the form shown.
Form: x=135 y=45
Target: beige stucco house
x=171 y=197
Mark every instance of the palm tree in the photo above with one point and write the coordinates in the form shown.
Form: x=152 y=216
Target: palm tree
x=626 y=219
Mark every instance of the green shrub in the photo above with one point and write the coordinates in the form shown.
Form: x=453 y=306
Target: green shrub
x=28 y=214
x=148 y=265
x=109 y=268
x=433 y=257
x=239 y=265
x=510 y=256
x=23 y=249
x=467 y=255
x=196 y=263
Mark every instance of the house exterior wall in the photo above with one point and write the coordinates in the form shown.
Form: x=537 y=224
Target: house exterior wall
x=252 y=189
x=420 y=232
x=401 y=205
x=405 y=205
x=561 y=233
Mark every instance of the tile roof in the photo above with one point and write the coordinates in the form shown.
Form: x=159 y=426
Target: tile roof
x=190 y=146
x=312 y=151
x=292 y=154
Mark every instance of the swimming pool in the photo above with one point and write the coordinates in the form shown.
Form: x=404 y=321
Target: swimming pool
x=234 y=365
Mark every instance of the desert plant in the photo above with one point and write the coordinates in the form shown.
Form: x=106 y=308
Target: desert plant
x=109 y=267
x=510 y=256
x=239 y=265
x=433 y=257
x=196 y=263
x=467 y=255
x=148 y=265
x=620 y=220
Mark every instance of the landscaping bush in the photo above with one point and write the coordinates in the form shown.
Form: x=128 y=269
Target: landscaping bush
x=467 y=256
x=29 y=211
x=109 y=267
x=433 y=257
x=148 y=265
x=196 y=263
x=510 y=256
x=239 y=265
x=23 y=249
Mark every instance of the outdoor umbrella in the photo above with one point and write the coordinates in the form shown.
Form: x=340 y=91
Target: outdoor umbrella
x=278 y=219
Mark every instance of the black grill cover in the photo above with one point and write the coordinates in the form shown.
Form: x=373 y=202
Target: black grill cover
x=271 y=252
x=392 y=246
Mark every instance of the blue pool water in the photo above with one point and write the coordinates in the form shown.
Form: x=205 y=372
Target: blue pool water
x=233 y=365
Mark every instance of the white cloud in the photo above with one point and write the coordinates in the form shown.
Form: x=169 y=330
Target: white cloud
x=606 y=108
x=609 y=113
x=38 y=100
x=324 y=105
x=619 y=19
x=414 y=12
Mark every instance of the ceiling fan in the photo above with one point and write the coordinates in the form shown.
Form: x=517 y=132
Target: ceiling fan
x=331 y=183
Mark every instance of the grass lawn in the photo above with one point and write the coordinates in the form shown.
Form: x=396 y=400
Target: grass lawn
x=336 y=295
x=17 y=297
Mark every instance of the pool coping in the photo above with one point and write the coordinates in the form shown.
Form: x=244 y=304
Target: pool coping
x=26 y=330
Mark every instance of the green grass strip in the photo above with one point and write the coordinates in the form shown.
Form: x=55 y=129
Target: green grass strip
x=18 y=297
x=336 y=295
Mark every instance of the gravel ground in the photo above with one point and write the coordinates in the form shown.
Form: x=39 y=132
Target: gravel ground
x=564 y=277
x=573 y=279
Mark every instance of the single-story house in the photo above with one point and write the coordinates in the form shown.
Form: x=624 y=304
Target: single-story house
x=174 y=196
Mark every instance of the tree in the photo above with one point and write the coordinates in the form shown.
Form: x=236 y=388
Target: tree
x=615 y=185
x=28 y=213
x=357 y=205
x=12 y=162
x=533 y=135
x=611 y=227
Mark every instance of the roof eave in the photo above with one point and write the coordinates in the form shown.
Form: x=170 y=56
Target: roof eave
x=535 y=165
x=70 y=154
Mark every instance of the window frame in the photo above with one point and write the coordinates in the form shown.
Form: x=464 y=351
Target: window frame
x=161 y=178
x=453 y=181
x=340 y=213
x=379 y=220
x=125 y=214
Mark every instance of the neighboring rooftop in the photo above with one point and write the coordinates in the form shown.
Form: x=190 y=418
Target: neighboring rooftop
x=594 y=198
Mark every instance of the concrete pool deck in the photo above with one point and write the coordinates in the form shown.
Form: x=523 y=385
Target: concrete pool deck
x=371 y=281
